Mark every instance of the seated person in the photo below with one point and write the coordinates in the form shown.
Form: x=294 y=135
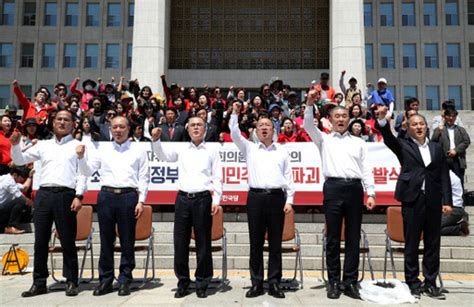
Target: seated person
x=455 y=224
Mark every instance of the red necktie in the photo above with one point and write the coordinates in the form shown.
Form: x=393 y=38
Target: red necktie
x=171 y=132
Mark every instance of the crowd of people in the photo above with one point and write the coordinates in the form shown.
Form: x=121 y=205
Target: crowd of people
x=338 y=123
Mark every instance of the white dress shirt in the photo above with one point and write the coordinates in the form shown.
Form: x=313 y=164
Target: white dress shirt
x=58 y=162
x=457 y=190
x=9 y=189
x=452 y=145
x=343 y=156
x=120 y=166
x=267 y=167
x=199 y=167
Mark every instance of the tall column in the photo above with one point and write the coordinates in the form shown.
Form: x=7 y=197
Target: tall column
x=150 y=42
x=347 y=41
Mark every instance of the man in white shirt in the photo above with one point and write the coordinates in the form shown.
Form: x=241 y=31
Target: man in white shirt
x=455 y=224
x=58 y=199
x=12 y=200
x=199 y=173
x=270 y=197
x=346 y=170
x=124 y=178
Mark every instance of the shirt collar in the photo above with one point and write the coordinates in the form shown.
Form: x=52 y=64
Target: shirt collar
x=201 y=145
x=427 y=141
x=63 y=140
x=337 y=134
x=271 y=147
x=124 y=145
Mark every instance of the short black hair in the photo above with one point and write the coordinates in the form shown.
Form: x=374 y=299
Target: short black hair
x=409 y=101
x=21 y=171
x=450 y=112
x=174 y=110
x=324 y=75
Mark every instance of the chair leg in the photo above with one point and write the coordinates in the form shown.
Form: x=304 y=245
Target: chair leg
x=392 y=261
x=323 y=266
x=83 y=262
x=301 y=268
x=52 y=268
x=92 y=261
x=224 y=257
x=363 y=268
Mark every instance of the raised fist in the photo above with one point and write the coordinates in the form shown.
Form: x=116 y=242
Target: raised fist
x=155 y=134
x=80 y=150
x=15 y=138
x=236 y=107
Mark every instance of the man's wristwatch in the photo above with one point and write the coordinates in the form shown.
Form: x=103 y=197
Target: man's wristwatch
x=371 y=195
x=80 y=197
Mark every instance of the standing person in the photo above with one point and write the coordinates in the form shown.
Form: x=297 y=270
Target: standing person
x=424 y=189
x=454 y=140
x=382 y=96
x=345 y=168
x=124 y=181
x=270 y=197
x=6 y=130
x=58 y=200
x=200 y=173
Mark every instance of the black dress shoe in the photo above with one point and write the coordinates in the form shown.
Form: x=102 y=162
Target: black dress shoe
x=181 y=292
x=201 y=293
x=334 y=292
x=254 y=291
x=352 y=290
x=433 y=292
x=275 y=291
x=35 y=290
x=124 y=289
x=71 y=289
x=102 y=289
x=416 y=292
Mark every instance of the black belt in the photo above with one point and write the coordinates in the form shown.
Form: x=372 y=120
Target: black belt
x=117 y=190
x=266 y=191
x=339 y=179
x=57 y=189
x=195 y=194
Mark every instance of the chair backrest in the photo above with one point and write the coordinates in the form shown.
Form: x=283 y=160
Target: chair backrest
x=395 y=224
x=143 y=228
x=217 y=231
x=84 y=223
x=288 y=227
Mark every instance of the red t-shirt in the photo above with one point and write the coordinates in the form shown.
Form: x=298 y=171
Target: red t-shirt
x=5 y=146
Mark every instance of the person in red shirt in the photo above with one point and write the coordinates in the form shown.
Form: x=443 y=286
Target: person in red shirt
x=6 y=130
x=37 y=109
x=289 y=133
x=87 y=93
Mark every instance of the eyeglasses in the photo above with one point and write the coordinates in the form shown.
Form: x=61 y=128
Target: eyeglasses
x=111 y=114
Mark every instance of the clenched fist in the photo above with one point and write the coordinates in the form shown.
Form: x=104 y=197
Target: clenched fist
x=80 y=150
x=236 y=107
x=311 y=97
x=15 y=138
x=155 y=134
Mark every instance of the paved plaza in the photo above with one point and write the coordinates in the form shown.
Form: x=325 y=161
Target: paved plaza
x=161 y=293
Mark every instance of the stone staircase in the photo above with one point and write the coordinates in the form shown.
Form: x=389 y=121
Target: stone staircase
x=457 y=253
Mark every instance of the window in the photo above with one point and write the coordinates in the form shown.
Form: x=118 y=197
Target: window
x=386 y=14
x=92 y=14
x=408 y=14
x=430 y=14
x=4 y=95
x=112 y=56
x=472 y=97
x=471 y=55
x=410 y=91
x=387 y=54
x=368 y=15
x=91 y=56
x=113 y=15
x=70 y=56
x=455 y=95
x=409 y=55
x=470 y=12
x=131 y=14
x=29 y=14
x=48 y=56
x=431 y=55
x=72 y=15
x=432 y=97
x=454 y=57
x=27 y=55
x=27 y=90
x=6 y=55
x=8 y=13
x=452 y=13
x=129 y=55
x=50 y=14
x=369 y=56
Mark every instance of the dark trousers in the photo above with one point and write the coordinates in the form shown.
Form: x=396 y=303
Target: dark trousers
x=451 y=224
x=418 y=217
x=343 y=200
x=11 y=212
x=265 y=214
x=55 y=207
x=189 y=213
x=116 y=210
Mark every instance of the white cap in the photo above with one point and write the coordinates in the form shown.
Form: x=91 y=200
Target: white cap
x=382 y=80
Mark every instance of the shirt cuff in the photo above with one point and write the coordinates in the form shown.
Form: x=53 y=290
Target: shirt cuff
x=216 y=199
x=371 y=190
x=290 y=200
